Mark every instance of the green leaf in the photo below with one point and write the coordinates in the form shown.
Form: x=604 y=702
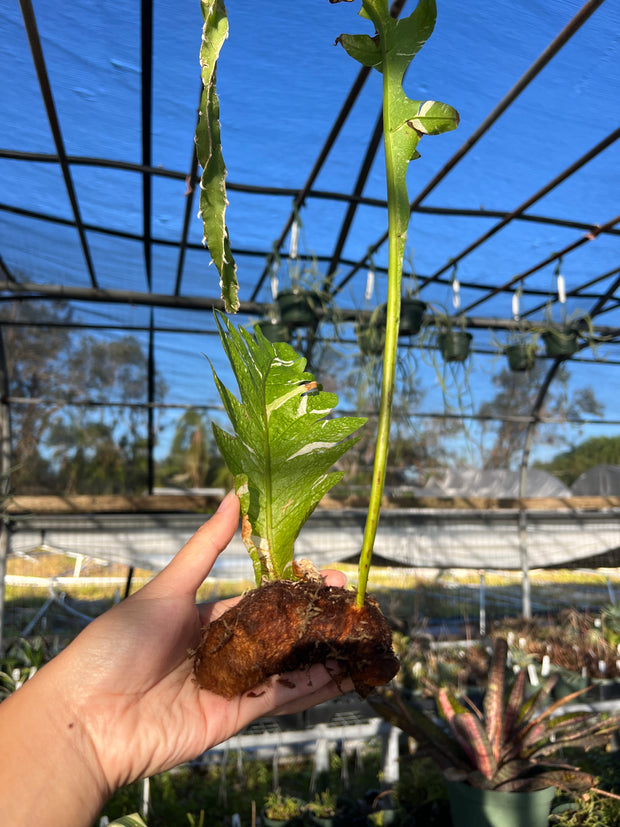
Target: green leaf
x=213 y=200
x=132 y=820
x=394 y=45
x=283 y=444
x=363 y=48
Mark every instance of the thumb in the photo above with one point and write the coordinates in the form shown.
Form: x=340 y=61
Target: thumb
x=189 y=567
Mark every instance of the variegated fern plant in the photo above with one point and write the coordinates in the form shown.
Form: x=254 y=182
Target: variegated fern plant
x=390 y=50
x=512 y=744
x=283 y=447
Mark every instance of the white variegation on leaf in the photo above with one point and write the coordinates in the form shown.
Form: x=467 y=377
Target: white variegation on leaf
x=283 y=447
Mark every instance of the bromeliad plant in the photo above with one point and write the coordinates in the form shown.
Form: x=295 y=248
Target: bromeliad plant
x=510 y=745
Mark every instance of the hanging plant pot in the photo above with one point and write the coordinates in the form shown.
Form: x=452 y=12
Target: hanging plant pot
x=293 y=821
x=490 y=808
x=454 y=345
x=371 y=334
x=560 y=344
x=298 y=308
x=274 y=330
x=296 y=821
x=370 y=338
x=521 y=356
x=322 y=821
x=411 y=316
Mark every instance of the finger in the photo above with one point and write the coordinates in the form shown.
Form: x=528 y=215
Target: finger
x=189 y=567
x=293 y=692
x=333 y=577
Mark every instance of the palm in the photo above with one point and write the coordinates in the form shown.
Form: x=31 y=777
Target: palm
x=143 y=709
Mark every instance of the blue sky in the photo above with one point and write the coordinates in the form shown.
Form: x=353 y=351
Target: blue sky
x=281 y=82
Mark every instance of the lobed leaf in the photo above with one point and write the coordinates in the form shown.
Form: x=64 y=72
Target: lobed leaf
x=213 y=201
x=283 y=446
x=391 y=50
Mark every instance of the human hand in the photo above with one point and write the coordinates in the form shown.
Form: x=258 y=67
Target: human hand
x=124 y=692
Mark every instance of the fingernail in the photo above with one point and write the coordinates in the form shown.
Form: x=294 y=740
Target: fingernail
x=226 y=501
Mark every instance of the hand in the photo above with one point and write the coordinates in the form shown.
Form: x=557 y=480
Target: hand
x=122 y=695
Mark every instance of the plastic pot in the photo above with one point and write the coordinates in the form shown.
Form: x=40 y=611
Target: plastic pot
x=298 y=308
x=321 y=821
x=521 y=357
x=454 y=345
x=411 y=316
x=370 y=338
x=489 y=808
x=295 y=821
x=560 y=344
x=371 y=334
x=274 y=330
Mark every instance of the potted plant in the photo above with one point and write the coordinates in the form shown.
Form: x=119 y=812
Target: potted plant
x=412 y=310
x=560 y=342
x=499 y=760
x=520 y=351
x=280 y=810
x=281 y=421
x=274 y=330
x=453 y=340
x=370 y=333
x=299 y=307
x=322 y=809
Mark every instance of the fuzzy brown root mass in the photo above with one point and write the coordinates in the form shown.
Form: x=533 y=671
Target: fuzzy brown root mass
x=284 y=626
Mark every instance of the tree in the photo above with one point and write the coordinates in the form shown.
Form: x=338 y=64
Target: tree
x=415 y=445
x=568 y=465
x=78 y=428
x=187 y=462
x=515 y=396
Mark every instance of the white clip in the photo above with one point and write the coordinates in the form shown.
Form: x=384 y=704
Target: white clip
x=456 y=294
x=294 y=240
x=561 y=289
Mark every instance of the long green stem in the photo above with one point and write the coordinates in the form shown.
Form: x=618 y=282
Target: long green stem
x=396 y=246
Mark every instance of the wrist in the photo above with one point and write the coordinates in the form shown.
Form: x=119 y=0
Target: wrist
x=49 y=771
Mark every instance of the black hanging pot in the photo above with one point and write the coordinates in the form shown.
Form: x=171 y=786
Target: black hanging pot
x=274 y=330
x=298 y=308
x=371 y=334
x=454 y=345
x=521 y=357
x=411 y=316
x=560 y=344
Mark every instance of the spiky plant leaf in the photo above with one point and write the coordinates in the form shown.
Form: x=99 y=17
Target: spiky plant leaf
x=283 y=445
x=513 y=705
x=474 y=739
x=494 y=698
x=432 y=739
